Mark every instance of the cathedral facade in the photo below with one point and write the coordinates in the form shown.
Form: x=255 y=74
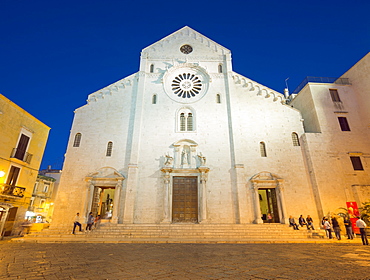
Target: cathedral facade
x=187 y=140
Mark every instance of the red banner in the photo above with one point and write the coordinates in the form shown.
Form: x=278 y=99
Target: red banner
x=353 y=212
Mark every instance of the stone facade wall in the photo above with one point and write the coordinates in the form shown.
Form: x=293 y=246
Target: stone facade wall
x=231 y=116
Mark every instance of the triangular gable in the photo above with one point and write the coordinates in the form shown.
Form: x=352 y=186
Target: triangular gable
x=189 y=34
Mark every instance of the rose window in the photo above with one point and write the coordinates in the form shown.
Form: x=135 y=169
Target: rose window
x=186 y=49
x=186 y=85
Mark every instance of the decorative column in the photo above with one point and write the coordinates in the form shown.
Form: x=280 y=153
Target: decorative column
x=280 y=188
x=203 y=192
x=89 y=197
x=116 y=202
x=166 y=195
x=257 y=210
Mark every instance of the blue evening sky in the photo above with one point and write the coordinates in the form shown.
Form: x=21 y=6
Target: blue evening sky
x=54 y=53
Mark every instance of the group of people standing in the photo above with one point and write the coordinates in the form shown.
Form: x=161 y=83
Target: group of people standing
x=328 y=226
x=91 y=220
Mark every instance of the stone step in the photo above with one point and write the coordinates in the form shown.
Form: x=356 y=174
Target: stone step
x=176 y=233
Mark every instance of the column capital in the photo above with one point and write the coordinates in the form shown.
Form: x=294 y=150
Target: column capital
x=166 y=170
x=254 y=185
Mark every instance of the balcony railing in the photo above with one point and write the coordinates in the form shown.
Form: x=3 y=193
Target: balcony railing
x=21 y=155
x=329 y=80
x=13 y=190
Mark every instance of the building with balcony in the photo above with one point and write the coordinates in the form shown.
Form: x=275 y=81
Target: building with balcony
x=22 y=143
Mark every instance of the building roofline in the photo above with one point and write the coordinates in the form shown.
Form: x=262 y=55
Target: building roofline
x=21 y=109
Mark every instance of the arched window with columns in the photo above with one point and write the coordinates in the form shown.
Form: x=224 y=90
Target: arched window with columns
x=185 y=120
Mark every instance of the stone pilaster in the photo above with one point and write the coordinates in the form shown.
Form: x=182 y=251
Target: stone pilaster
x=128 y=214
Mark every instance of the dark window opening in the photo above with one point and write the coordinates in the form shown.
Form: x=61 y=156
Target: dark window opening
x=334 y=95
x=343 y=124
x=356 y=163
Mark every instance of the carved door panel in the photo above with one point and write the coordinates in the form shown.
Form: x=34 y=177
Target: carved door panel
x=185 y=200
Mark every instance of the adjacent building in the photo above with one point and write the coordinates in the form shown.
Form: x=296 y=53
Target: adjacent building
x=22 y=143
x=188 y=140
x=42 y=201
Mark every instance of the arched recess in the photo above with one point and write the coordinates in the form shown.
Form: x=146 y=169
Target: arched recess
x=268 y=197
x=104 y=193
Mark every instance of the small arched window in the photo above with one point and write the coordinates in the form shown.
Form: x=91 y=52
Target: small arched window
x=218 y=98
x=263 y=149
x=182 y=122
x=77 y=141
x=154 y=99
x=109 y=149
x=189 y=122
x=151 y=68
x=220 y=68
x=295 y=139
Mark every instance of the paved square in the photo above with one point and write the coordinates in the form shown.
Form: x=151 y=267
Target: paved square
x=183 y=261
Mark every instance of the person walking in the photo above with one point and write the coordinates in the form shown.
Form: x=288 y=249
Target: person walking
x=336 y=227
x=362 y=226
x=348 y=225
x=90 y=221
x=76 y=223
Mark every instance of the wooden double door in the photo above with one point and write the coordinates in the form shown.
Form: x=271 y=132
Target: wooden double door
x=185 y=200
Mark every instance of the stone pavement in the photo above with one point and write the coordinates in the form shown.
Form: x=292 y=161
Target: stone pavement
x=34 y=261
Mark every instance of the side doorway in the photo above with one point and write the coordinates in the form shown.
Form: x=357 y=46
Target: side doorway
x=102 y=203
x=268 y=204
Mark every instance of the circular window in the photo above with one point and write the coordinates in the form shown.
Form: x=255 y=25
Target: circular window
x=186 y=49
x=186 y=85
